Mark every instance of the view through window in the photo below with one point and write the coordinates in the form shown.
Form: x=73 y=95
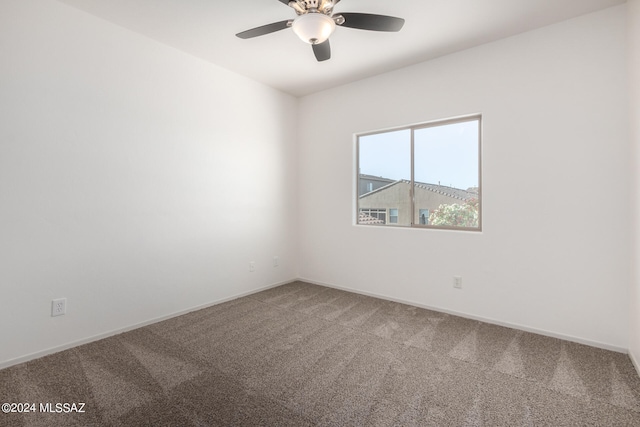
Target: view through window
x=426 y=175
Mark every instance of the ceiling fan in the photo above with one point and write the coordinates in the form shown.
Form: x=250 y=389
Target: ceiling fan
x=315 y=23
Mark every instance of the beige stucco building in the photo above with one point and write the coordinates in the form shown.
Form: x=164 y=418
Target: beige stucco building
x=392 y=203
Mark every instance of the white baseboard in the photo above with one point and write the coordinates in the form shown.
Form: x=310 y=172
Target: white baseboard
x=52 y=350
x=481 y=319
x=635 y=362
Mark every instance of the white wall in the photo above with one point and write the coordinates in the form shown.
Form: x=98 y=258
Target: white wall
x=634 y=80
x=135 y=180
x=555 y=249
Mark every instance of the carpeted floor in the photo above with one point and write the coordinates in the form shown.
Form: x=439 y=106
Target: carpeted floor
x=304 y=355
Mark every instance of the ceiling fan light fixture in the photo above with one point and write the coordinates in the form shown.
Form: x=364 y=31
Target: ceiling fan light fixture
x=313 y=27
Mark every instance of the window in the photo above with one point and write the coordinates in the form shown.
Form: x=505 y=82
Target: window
x=432 y=175
x=393 y=216
x=423 y=216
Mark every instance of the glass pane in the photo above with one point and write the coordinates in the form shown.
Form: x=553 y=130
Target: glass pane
x=423 y=216
x=393 y=216
x=447 y=174
x=384 y=179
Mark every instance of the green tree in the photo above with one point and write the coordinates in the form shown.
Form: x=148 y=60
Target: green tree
x=456 y=215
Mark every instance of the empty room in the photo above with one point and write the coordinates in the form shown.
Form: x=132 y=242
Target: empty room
x=320 y=213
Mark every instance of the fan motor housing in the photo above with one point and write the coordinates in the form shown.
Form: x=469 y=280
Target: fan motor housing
x=305 y=6
x=311 y=4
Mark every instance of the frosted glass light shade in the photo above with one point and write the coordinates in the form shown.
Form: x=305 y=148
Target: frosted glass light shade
x=313 y=28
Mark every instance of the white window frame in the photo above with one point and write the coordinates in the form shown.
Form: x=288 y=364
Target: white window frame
x=415 y=222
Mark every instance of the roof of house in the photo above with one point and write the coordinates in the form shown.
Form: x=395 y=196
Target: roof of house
x=375 y=178
x=456 y=193
x=364 y=218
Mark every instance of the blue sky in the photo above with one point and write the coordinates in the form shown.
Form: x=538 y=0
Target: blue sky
x=443 y=154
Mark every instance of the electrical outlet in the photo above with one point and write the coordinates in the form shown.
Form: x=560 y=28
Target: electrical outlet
x=58 y=307
x=276 y=261
x=252 y=266
x=457 y=282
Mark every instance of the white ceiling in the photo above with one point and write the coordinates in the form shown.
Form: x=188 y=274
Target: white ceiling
x=207 y=28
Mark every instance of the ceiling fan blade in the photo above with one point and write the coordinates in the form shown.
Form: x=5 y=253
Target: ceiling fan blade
x=367 y=21
x=322 y=51
x=265 y=29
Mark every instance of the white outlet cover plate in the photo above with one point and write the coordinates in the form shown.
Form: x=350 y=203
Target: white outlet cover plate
x=58 y=307
x=457 y=282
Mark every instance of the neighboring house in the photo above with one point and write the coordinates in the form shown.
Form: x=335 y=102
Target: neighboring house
x=369 y=183
x=392 y=203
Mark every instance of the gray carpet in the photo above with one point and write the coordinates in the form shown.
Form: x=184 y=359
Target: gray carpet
x=305 y=355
